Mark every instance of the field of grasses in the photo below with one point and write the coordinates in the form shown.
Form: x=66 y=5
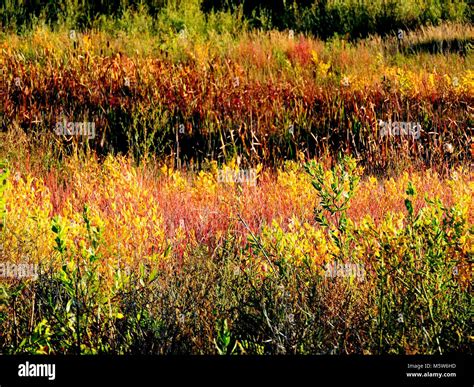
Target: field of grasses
x=238 y=191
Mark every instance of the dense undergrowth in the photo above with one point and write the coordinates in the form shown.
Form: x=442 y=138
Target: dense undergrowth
x=135 y=262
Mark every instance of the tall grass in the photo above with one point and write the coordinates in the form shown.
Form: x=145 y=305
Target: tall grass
x=264 y=96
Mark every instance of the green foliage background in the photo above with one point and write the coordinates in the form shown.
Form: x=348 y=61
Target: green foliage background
x=323 y=18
